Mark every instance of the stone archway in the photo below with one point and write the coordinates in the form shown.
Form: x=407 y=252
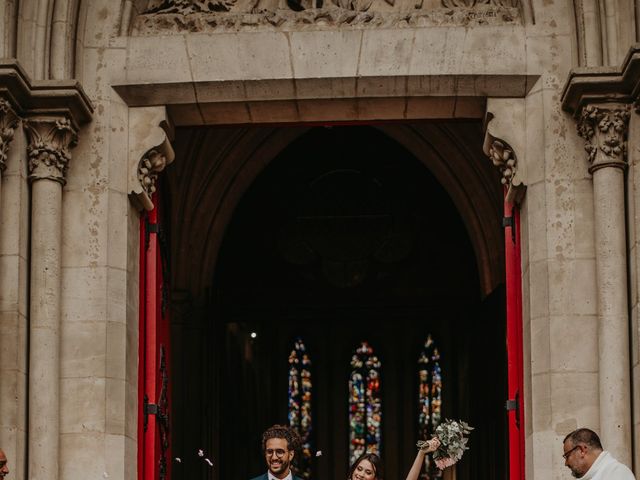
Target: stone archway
x=222 y=164
x=214 y=169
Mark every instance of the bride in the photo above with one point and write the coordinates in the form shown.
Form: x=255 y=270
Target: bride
x=369 y=467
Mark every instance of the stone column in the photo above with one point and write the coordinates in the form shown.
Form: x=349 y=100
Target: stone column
x=12 y=344
x=48 y=150
x=8 y=123
x=604 y=127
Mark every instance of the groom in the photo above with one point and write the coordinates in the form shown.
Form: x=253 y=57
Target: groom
x=278 y=445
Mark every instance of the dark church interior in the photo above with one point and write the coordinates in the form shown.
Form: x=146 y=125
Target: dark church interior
x=344 y=237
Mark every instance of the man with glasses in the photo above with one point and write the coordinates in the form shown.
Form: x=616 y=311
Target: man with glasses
x=278 y=444
x=586 y=459
x=4 y=470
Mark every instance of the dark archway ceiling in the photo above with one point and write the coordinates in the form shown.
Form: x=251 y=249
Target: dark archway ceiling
x=216 y=167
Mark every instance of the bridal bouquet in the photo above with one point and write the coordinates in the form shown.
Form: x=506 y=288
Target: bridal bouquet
x=450 y=442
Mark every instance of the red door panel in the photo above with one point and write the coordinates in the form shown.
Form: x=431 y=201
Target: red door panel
x=154 y=349
x=515 y=404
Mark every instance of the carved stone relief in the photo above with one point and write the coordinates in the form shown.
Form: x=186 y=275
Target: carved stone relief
x=233 y=15
x=503 y=159
x=150 y=151
x=8 y=123
x=150 y=166
x=50 y=140
x=604 y=128
x=505 y=119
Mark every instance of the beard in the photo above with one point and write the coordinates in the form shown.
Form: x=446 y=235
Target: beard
x=279 y=466
x=575 y=472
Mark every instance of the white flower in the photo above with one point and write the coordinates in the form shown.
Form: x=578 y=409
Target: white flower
x=453 y=438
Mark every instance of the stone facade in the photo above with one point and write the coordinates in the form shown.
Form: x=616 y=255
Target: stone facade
x=91 y=89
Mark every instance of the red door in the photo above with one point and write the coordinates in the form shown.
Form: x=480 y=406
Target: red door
x=515 y=402
x=153 y=375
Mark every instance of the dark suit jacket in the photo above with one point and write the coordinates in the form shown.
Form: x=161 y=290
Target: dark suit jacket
x=266 y=477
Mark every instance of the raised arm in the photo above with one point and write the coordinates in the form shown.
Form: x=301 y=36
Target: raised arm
x=416 y=468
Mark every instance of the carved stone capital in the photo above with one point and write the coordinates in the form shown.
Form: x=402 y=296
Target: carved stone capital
x=150 y=151
x=49 y=142
x=8 y=123
x=604 y=128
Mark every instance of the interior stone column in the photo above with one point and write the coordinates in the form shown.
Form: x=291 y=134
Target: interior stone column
x=604 y=127
x=48 y=150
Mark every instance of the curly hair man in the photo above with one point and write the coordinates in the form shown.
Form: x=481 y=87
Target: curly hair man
x=279 y=444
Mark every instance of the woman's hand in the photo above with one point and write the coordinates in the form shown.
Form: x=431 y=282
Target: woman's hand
x=431 y=445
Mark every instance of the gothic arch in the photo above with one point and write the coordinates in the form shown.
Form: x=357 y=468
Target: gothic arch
x=214 y=167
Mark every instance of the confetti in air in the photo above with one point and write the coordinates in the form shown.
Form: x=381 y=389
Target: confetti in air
x=200 y=453
x=178 y=459
x=209 y=462
x=319 y=453
x=105 y=474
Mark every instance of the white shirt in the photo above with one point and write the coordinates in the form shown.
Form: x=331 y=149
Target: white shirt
x=288 y=477
x=607 y=468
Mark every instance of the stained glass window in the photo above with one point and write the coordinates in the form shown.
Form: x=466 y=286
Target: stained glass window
x=365 y=403
x=300 y=402
x=429 y=397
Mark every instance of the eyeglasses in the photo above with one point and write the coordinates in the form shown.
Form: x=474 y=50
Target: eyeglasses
x=566 y=455
x=279 y=452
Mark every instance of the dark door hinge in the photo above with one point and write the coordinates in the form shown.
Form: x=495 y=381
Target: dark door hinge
x=509 y=222
x=514 y=404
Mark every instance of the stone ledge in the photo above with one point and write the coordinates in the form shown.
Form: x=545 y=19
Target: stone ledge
x=603 y=84
x=409 y=87
x=43 y=97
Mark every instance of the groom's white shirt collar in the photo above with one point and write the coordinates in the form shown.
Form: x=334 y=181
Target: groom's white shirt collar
x=288 y=477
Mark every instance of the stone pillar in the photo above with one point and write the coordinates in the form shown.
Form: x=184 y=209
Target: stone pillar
x=8 y=123
x=604 y=127
x=49 y=140
x=12 y=284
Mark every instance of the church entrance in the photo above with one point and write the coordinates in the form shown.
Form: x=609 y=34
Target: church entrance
x=344 y=294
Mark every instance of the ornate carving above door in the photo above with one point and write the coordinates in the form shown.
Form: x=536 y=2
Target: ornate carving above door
x=237 y=15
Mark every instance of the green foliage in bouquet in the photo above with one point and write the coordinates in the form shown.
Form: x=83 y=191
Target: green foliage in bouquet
x=453 y=438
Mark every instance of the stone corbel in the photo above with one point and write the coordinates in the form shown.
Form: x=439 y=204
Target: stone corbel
x=604 y=128
x=150 y=151
x=8 y=123
x=50 y=140
x=504 y=119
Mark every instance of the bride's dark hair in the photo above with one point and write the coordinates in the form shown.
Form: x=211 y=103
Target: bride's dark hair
x=375 y=462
